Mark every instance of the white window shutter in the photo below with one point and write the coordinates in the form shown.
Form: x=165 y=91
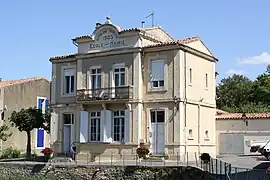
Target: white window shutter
x=84 y=126
x=127 y=125
x=107 y=126
x=54 y=127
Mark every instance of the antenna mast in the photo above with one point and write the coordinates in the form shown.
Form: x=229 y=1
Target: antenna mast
x=152 y=16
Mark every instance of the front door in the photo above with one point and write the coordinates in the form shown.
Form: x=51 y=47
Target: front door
x=67 y=138
x=157 y=132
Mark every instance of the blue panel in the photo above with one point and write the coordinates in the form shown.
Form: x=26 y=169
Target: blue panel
x=47 y=104
x=40 y=138
x=40 y=102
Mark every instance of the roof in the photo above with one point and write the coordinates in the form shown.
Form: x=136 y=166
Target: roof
x=19 y=81
x=177 y=42
x=230 y=116
x=219 y=111
x=188 y=40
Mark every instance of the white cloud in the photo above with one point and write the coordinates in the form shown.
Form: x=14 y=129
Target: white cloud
x=264 y=58
x=235 y=71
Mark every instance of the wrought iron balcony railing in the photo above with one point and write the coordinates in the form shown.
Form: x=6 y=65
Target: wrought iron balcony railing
x=112 y=93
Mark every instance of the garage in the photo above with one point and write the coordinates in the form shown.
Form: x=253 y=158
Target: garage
x=236 y=132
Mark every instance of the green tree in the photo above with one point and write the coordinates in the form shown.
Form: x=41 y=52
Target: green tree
x=233 y=92
x=29 y=119
x=239 y=94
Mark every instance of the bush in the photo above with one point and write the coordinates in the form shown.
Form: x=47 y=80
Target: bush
x=10 y=153
x=142 y=152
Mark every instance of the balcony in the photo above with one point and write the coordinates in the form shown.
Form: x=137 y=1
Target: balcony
x=124 y=93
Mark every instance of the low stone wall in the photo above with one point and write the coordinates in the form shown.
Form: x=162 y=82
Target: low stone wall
x=31 y=171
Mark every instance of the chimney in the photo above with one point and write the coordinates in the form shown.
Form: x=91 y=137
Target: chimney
x=98 y=24
x=143 y=24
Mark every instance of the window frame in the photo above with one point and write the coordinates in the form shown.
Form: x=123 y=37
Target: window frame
x=96 y=118
x=190 y=134
x=206 y=81
x=156 y=114
x=158 y=80
x=63 y=87
x=190 y=76
x=95 y=75
x=122 y=123
x=148 y=72
x=119 y=66
x=37 y=129
x=71 y=118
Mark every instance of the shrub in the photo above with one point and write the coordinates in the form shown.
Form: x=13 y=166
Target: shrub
x=142 y=152
x=10 y=153
x=47 y=151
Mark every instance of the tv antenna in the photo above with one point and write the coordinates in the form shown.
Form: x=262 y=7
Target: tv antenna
x=149 y=16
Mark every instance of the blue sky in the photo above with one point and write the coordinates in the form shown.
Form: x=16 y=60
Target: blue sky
x=237 y=32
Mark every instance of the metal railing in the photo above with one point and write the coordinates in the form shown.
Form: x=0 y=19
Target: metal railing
x=105 y=94
x=216 y=168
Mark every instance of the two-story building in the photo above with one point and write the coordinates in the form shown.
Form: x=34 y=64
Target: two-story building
x=22 y=94
x=124 y=87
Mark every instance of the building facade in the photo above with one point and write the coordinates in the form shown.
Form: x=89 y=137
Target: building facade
x=16 y=95
x=236 y=132
x=125 y=87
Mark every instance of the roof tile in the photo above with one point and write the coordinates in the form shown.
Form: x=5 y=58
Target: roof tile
x=19 y=81
x=230 y=116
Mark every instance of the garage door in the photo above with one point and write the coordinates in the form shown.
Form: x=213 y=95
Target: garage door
x=231 y=144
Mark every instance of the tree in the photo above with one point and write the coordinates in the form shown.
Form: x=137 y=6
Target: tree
x=239 y=94
x=4 y=135
x=232 y=92
x=29 y=119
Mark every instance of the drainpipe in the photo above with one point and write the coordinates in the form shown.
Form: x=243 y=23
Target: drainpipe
x=199 y=125
x=174 y=104
x=185 y=100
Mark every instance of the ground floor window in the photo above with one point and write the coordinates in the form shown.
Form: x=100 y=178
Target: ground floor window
x=119 y=125
x=95 y=126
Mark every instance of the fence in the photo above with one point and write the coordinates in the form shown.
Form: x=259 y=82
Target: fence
x=217 y=168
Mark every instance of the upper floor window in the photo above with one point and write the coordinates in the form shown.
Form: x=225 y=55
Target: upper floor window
x=157 y=73
x=206 y=80
x=190 y=76
x=119 y=76
x=69 y=81
x=43 y=103
x=95 y=78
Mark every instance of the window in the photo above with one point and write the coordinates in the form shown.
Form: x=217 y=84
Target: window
x=68 y=118
x=157 y=116
x=69 y=81
x=190 y=76
x=190 y=134
x=206 y=135
x=42 y=104
x=206 y=80
x=95 y=78
x=95 y=126
x=119 y=76
x=119 y=126
x=157 y=73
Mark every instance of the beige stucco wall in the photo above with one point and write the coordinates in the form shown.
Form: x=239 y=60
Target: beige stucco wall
x=196 y=102
x=238 y=126
x=21 y=96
